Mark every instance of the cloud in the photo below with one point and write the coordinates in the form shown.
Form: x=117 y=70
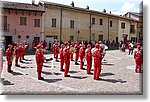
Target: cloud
x=129 y=7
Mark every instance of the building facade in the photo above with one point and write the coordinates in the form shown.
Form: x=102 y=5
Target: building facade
x=64 y=22
x=21 y=22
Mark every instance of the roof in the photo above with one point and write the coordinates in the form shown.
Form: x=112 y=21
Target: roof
x=85 y=10
x=133 y=13
x=21 y=6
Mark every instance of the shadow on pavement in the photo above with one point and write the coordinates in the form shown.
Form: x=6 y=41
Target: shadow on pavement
x=73 y=71
x=6 y=82
x=78 y=77
x=109 y=64
x=106 y=74
x=46 y=73
x=51 y=80
x=57 y=73
x=16 y=73
x=113 y=80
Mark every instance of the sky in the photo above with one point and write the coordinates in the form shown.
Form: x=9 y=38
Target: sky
x=118 y=7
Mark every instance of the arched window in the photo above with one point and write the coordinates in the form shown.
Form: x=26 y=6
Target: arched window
x=27 y=36
x=19 y=36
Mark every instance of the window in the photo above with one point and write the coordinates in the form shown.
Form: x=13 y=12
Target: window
x=101 y=21
x=53 y=22
x=4 y=21
x=27 y=36
x=93 y=37
x=36 y=22
x=55 y=37
x=23 y=21
x=110 y=23
x=93 y=20
x=132 y=29
x=71 y=23
x=71 y=38
x=123 y=25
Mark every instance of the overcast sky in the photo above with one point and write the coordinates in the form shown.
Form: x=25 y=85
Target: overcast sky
x=119 y=7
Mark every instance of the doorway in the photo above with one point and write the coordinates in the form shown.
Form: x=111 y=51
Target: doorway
x=8 y=40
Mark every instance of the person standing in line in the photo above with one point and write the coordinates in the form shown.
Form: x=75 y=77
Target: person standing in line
x=61 y=57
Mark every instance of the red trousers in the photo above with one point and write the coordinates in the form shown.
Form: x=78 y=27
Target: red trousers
x=76 y=57
x=39 y=70
x=67 y=65
x=56 y=56
x=97 y=70
x=9 y=63
x=81 y=61
x=61 y=63
x=138 y=66
x=16 y=60
x=89 y=65
x=71 y=56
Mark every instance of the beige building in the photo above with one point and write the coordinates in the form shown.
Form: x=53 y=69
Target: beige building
x=63 y=23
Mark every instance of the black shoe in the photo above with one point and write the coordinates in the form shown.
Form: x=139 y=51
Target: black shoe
x=10 y=71
x=67 y=76
x=90 y=73
x=17 y=65
x=57 y=60
x=83 y=68
x=62 y=70
x=41 y=78
x=99 y=79
x=76 y=63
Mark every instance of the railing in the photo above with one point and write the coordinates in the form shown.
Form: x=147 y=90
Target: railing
x=5 y=27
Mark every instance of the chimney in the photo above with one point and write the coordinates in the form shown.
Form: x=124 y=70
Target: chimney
x=87 y=7
x=104 y=10
x=72 y=4
x=33 y=2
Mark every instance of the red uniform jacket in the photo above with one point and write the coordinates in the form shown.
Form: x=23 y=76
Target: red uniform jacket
x=66 y=54
x=138 y=56
x=77 y=48
x=39 y=57
x=56 y=49
x=81 y=52
x=88 y=54
x=9 y=55
x=97 y=56
x=61 y=53
x=17 y=51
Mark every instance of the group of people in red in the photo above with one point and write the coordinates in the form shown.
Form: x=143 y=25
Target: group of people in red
x=66 y=52
x=17 y=51
x=66 y=55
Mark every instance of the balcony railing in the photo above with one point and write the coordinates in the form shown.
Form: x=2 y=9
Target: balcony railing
x=5 y=27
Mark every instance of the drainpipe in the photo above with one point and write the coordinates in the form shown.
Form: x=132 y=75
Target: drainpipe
x=90 y=27
x=60 y=24
x=108 y=28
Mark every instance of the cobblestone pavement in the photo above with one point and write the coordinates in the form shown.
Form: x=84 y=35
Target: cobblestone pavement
x=118 y=77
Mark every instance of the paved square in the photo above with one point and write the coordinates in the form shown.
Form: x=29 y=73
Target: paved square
x=118 y=77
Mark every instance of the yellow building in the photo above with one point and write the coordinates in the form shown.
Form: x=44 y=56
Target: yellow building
x=64 y=22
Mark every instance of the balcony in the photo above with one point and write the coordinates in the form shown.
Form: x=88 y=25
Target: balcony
x=5 y=28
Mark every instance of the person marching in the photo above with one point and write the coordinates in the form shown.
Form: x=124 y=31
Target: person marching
x=77 y=47
x=54 y=44
x=39 y=61
x=61 y=57
x=123 y=47
x=89 y=58
x=9 y=57
x=56 y=52
x=82 y=55
x=66 y=54
x=71 y=52
x=97 y=61
x=17 y=52
x=138 y=56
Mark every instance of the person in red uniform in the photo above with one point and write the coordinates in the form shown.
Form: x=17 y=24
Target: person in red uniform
x=89 y=59
x=44 y=44
x=39 y=61
x=21 y=52
x=66 y=54
x=97 y=61
x=9 y=57
x=17 y=52
x=123 y=47
x=61 y=57
x=138 y=56
x=56 y=52
x=77 y=47
x=82 y=55
x=54 y=44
